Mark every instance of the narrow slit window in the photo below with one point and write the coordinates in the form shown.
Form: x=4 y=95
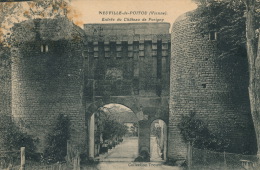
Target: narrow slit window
x=212 y=35
x=44 y=48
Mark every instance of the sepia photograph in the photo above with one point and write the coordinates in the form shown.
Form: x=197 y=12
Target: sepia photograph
x=129 y=85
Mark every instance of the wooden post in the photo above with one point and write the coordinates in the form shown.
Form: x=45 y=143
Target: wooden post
x=76 y=161
x=76 y=164
x=73 y=163
x=189 y=156
x=22 y=158
x=68 y=152
x=225 y=162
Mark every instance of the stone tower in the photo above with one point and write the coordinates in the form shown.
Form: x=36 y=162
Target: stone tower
x=201 y=82
x=5 y=92
x=47 y=77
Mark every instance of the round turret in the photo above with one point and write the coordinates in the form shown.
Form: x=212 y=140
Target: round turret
x=212 y=86
x=47 y=76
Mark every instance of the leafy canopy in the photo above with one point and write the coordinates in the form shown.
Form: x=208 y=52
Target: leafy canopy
x=15 y=12
x=109 y=126
x=227 y=19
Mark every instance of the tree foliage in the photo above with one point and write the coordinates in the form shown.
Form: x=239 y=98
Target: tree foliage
x=13 y=139
x=113 y=129
x=15 y=12
x=227 y=20
x=227 y=17
x=196 y=132
x=109 y=126
x=156 y=131
x=56 y=148
x=134 y=129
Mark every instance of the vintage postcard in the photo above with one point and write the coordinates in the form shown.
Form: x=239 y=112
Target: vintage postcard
x=129 y=84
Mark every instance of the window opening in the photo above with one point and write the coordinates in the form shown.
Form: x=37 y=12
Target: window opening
x=44 y=48
x=213 y=35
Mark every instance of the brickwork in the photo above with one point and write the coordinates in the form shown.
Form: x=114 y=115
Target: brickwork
x=129 y=64
x=213 y=87
x=139 y=51
x=5 y=90
x=59 y=68
x=47 y=76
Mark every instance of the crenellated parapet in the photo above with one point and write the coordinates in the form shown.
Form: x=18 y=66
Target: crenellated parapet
x=134 y=48
x=139 y=52
x=127 y=37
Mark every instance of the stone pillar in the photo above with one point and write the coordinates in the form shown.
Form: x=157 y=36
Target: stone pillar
x=136 y=68
x=144 y=136
x=159 y=68
x=165 y=141
x=91 y=136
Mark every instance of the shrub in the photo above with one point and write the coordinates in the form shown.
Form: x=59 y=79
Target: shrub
x=113 y=128
x=196 y=132
x=56 y=148
x=13 y=139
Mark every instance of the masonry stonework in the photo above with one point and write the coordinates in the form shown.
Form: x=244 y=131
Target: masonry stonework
x=202 y=82
x=129 y=64
x=47 y=77
x=58 y=67
x=5 y=91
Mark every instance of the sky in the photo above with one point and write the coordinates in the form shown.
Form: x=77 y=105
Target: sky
x=105 y=11
x=89 y=10
x=118 y=107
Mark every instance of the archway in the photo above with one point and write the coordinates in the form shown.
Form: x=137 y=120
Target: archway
x=158 y=141
x=113 y=133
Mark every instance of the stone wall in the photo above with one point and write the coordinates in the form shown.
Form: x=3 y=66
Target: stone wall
x=213 y=87
x=59 y=68
x=47 y=77
x=129 y=64
x=137 y=53
x=5 y=91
